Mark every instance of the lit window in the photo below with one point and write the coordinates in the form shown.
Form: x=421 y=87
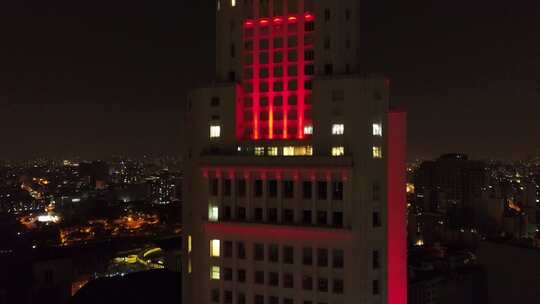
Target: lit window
x=377 y=152
x=298 y=151
x=215 y=273
x=189 y=265
x=272 y=151
x=215 y=248
x=377 y=129
x=288 y=151
x=233 y=3
x=303 y=151
x=218 y=5
x=308 y=130
x=189 y=243
x=215 y=131
x=259 y=151
x=338 y=129
x=338 y=151
x=213 y=212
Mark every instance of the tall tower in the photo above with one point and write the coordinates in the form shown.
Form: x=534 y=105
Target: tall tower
x=295 y=164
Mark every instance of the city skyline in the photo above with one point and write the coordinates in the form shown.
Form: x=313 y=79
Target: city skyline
x=110 y=79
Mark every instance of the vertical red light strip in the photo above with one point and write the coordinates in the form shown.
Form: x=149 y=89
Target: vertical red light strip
x=397 y=226
x=256 y=81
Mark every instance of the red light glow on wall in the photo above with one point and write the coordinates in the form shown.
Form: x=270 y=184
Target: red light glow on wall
x=277 y=73
x=261 y=231
x=397 y=225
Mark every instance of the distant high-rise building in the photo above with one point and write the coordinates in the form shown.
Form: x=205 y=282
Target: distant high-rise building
x=295 y=167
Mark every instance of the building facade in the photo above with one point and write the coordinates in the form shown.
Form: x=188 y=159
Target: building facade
x=295 y=164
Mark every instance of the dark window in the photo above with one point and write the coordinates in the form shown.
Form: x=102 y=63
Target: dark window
x=258 y=214
x=273 y=278
x=322 y=190
x=241 y=250
x=327 y=15
x=307 y=256
x=273 y=253
x=214 y=102
x=263 y=58
x=328 y=69
x=376 y=191
x=347 y=14
x=259 y=277
x=292 y=41
x=309 y=69
x=272 y=188
x=292 y=56
x=307 y=282
x=288 y=216
x=241 y=275
x=227 y=249
x=264 y=87
x=337 y=190
x=288 y=189
x=288 y=300
x=288 y=254
x=241 y=188
x=321 y=218
x=292 y=85
x=308 y=84
x=309 y=55
x=323 y=284
x=337 y=258
x=241 y=298
x=227 y=214
x=376 y=218
x=278 y=43
x=259 y=299
x=272 y=215
x=278 y=86
x=241 y=213
x=278 y=71
x=338 y=286
x=306 y=217
x=258 y=188
x=263 y=44
x=292 y=70
x=309 y=26
x=337 y=219
x=227 y=274
x=273 y=300
x=214 y=186
x=214 y=295
x=258 y=252
x=322 y=257
x=292 y=100
x=327 y=43
x=375 y=287
x=376 y=260
x=227 y=187
x=306 y=189
x=288 y=280
x=263 y=73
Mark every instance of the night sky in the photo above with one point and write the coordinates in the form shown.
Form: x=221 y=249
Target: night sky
x=96 y=78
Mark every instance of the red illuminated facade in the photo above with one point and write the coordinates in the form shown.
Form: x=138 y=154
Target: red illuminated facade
x=274 y=101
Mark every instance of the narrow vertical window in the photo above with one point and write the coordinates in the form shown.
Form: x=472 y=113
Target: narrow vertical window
x=215 y=248
x=377 y=152
x=215 y=273
x=377 y=129
x=233 y=3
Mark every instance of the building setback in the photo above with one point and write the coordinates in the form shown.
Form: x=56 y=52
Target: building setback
x=295 y=164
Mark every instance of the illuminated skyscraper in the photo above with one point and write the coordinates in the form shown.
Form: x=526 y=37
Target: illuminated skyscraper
x=295 y=167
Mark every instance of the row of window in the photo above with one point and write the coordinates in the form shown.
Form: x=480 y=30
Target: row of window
x=265 y=29
x=321 y=284
x=287 y=216
x=292 y=100
x=278 y=56
x=277 y=43
x=309 y=189
x=337 y=129
x=278 y=71
x=273 y=253
x=257 y=298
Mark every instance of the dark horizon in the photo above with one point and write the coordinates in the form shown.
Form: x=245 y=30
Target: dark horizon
x=111 y=78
